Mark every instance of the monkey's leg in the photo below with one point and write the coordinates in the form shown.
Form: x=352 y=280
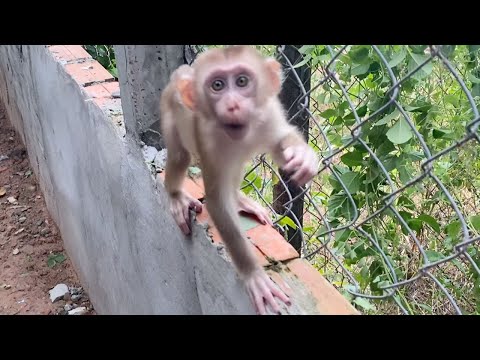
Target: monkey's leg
x=181 y=202
x=250 y=206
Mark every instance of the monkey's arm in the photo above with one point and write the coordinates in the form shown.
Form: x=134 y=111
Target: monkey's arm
x=292 y=153
x=221 y=204
x=178 y=160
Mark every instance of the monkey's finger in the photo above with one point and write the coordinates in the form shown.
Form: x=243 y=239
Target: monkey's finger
x=196 y=205
x=267 y=294
x=302 y=176
x=293 y=164
x=259 y=304
x=288 y=154
x=280 y=294
x=186 y=220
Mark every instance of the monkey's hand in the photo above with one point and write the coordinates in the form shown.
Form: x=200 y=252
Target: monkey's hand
x=262 y=290
x=250 y=206
x=180 y=205
x=301 y=162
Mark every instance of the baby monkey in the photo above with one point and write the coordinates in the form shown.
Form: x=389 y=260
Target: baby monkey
x=223 y=110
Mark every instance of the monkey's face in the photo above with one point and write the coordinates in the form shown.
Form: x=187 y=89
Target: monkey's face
x=231 y=93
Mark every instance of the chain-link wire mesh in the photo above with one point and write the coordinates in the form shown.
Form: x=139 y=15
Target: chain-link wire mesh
x=391 y=219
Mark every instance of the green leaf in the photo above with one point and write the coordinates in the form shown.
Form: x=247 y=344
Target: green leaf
x=194 y=171
x=419 y=49
x=385 y=148
x=386 y=119
x=400 y=133
x=306 y=48
x=342 y=235
x=448 y=50
x=451 y=99
x=475 y=220
x=473 y=78
x=420 y=59
x=365 y=304
x=328 y=113
x=397 y=58
x=440 y=133
x=51 y=262
x=430 y=221
x=415 y=224
x=434 y=256
x=354 y=158
x=352 y=182
x=360 y=69
x=359 y=55
x=453 y=229
x=476 y=90
x=287 y=221
x=59 y=258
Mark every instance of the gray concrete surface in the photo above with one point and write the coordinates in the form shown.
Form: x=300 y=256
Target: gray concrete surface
x=115 y=224
x=144 y=71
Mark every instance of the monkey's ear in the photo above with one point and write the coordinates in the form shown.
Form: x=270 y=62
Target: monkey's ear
x=275 y=74
x=185 y=88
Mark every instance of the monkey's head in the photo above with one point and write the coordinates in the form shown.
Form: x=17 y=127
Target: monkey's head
x=229 y=85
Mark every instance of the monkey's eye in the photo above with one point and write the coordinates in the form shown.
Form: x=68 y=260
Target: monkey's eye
x=218 y=85
x=242 y=81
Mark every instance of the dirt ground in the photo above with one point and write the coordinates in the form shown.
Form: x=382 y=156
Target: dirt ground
x=32 y=257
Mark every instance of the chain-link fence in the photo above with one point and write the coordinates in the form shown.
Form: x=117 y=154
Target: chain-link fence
x=391 y=219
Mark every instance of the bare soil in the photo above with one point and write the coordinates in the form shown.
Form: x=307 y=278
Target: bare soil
x=29 y=238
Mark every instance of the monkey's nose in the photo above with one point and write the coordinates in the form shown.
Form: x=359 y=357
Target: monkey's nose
x=233 y=107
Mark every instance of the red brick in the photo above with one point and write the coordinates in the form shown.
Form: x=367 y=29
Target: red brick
x=97 y=91
x=271 y=243
x=69 y=52
x=88 y=72
x=112 y=86
x=204 y=218
x=78 y=52
x=329 y=300
x=189 y=186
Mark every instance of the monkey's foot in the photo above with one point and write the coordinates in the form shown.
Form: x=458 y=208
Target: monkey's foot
x=180 y=206
x=250 y=206
x=262 y=290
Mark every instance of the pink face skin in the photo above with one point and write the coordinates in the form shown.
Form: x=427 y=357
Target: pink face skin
x=231 y=91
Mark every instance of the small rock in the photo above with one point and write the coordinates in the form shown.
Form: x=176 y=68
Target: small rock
x=58 y=292
x=15 y=251
x=39 y=197
x=3 y=157
x=44 y=231
x=28 y=249
x=116 y=94
x=149 y=153
x=6 y=287
x=31 y=188
x=22 y=219
x=67 y=307
x=63 y=312
x=76 y=297
x=39 y=223
x=18 y=231
x=78 y=311
x=11 y=200
x=3 y=191
x=67 y=297
x=161 y=159
x=76 y=291
x=10 y=138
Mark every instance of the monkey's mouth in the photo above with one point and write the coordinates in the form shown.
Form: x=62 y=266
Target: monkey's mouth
x=235 y=131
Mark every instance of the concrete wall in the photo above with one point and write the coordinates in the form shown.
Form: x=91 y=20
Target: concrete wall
x=113 y=214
